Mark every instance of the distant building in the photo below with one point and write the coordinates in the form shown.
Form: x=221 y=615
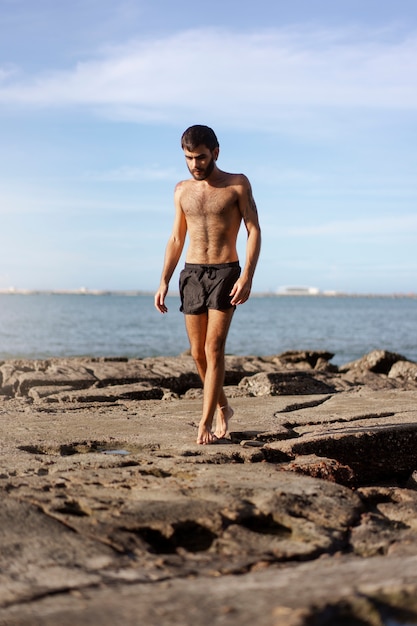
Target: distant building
x=299 y=291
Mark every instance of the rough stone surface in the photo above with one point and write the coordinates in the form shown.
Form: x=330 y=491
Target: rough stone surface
x=404 y=370
x=378 y=361
x=304 y=515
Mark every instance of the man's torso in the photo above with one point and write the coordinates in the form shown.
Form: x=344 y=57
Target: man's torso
x=213 y=218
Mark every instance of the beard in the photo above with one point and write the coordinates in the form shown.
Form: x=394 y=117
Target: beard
x=202 y=174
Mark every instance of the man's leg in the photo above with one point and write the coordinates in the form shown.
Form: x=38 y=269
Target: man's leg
x=207 y=334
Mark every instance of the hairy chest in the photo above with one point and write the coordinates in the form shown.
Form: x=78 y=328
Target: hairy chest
x=206 y=203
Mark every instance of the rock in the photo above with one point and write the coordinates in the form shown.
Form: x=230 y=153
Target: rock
x=404 y=370
x=48 y=391
x=388 y=526
x=109 y=511
x=381 y=369
x=285 y=383
x=358 y=376
x=326 y=592
x=139 y=391
x=322 y=365
x=412 y=481
x=377 y=361
x=39 y=555
x=251 y=443
x=201 y=522
x=259 y=436
x=18 y=378
x=320 y=467
x=293 y=372
x=373 y=452
x=306 y=356
x=9 y=371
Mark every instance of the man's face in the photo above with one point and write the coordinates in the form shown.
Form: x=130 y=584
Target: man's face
x=200 y=161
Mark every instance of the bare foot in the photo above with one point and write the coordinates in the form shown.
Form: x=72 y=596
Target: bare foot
x=205 y=435
x=224 y=414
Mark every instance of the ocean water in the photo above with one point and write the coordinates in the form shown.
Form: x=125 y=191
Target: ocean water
x=41 y=326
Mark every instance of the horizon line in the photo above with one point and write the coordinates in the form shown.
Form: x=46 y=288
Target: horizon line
x=296 y=292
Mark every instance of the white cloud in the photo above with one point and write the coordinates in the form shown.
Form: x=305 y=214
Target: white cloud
x=7 y=71
x=261 y=76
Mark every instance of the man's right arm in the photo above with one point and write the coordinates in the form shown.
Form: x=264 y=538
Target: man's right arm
x=173 y=253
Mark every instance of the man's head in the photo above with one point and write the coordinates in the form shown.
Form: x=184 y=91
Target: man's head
x=201 y=150
x=198 y=135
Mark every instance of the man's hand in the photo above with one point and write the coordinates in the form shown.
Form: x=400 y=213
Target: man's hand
x=241 y=291
x=160 y=299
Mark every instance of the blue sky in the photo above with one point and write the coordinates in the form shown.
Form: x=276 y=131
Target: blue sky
x=314 y=100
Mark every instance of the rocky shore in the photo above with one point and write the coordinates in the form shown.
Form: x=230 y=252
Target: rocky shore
x=306 y=514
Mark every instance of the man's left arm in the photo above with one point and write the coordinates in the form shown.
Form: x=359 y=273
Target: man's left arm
x=247 y=206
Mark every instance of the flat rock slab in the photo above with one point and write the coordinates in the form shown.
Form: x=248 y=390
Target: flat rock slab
x=345 y=408
x=373 y=434
x=114 y=393
x=286 y=374
x=41 y=556
x=374 y=452
x=216 y=517
x=111 y=513
x=328 y=592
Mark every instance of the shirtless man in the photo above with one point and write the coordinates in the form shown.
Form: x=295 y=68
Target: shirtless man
x=210 y=206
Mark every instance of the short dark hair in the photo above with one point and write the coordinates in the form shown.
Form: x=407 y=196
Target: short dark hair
x=198 y=135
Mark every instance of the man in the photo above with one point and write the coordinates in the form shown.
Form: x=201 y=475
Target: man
x=210 y=206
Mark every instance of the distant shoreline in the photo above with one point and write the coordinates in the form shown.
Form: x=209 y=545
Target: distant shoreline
x=140 y=292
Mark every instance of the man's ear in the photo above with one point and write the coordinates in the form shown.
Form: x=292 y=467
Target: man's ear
x=216 y=153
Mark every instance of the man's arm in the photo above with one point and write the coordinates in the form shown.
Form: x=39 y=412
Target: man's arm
x=173 y=252
x=242 y=288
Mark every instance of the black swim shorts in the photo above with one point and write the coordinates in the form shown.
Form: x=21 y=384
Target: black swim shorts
x=204 y=287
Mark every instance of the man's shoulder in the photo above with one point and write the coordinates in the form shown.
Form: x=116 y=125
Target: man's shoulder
x=235 y=179
x=239 y=181
x=182 y=185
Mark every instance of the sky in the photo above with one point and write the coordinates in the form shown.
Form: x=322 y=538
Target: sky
x=314 y=100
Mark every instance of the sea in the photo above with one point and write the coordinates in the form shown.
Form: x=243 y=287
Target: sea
x=41 y=325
